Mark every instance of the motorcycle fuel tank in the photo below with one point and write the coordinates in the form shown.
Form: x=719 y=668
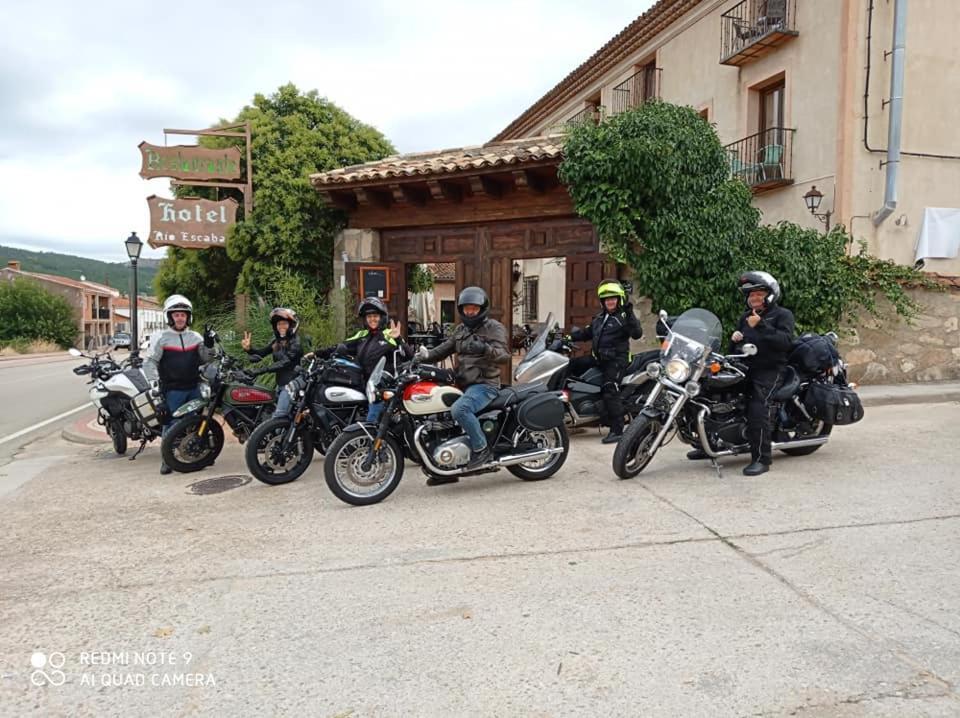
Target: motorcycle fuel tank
x=343 y=395
x=426 y=397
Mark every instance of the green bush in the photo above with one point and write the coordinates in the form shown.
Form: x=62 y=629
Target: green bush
x=28 y=312
x=655 y=183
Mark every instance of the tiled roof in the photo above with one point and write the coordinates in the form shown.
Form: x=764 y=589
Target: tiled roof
x=492 y=154
x=444 y=271
x=629 y=40
x=66 y=281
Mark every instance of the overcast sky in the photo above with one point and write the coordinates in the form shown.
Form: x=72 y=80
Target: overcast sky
x=83 y=83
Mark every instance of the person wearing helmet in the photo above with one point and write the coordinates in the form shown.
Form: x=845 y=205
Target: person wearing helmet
x=480 y=343
x=610 y=331
x=286 y=351
x=175 y=356
x=770 y=328
x=374 y=341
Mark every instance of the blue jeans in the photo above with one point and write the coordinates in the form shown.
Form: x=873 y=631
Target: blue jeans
x=375 y=410
x=465 y=409
x=284 y=401
x=175 y=398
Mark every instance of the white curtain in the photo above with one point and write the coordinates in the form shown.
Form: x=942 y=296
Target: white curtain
x=939 y=236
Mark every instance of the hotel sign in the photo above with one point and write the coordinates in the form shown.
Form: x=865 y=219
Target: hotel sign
x=190 y=223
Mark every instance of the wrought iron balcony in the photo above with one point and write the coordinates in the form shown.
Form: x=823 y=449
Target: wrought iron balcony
x=763 y=160
x=634 y=91
x=754 y=28
x=587 y=114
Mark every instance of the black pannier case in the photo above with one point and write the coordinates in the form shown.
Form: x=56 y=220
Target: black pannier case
x=832 y=403
x=541 y=412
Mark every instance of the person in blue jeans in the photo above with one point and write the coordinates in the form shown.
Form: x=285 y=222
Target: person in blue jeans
x=174 y=359
x=480 y=343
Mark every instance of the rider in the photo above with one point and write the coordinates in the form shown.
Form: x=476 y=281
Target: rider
x=174 y=358
x=286 y=350
x=372 y=343
x=770 y=327
x=480 y=344
x=610 y=330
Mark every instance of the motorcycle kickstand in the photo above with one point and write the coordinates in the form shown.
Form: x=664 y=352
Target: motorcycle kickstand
x=716 y=465
x=143 y=444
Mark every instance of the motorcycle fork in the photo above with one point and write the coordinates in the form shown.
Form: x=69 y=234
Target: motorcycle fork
x=382 y=427
x=298 y=416
x=671 y=418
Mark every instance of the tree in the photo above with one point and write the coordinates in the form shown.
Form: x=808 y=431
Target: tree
x=294 y=134
x=28 y=311
x=655 y=183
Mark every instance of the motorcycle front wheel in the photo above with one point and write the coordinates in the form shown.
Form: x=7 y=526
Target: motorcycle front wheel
x=633 y=450
x=115 y=429
x=350 y=481
x=266 y=457
x=184 y=450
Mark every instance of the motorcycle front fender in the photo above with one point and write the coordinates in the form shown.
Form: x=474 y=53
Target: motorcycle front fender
x=190 y=407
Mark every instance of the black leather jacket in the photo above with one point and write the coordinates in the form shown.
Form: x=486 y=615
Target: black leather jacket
x=479 y=351
x=773 y=337
x=611 y=333
x=286 y=358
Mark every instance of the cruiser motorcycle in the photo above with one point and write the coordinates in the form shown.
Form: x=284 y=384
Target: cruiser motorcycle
x=699 y=395
x=127 y=406
x=523 y=426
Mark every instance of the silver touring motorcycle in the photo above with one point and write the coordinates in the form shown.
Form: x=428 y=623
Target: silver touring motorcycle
x=700 y=394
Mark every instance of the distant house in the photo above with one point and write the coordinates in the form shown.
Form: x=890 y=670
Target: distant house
x=150 y=318
x=92 y=303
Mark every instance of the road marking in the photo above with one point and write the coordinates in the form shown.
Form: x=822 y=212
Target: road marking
x=52 y=419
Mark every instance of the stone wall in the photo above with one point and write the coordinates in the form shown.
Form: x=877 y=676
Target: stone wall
x=895 y=352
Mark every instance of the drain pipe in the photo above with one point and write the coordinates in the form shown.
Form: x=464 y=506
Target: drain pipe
x=896 y=112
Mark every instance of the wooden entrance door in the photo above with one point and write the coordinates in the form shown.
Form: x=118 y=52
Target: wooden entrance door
x=584 y=274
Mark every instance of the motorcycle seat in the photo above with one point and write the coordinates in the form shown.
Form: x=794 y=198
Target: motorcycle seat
x=791 y=382
x=513 y=394
x=641 y=360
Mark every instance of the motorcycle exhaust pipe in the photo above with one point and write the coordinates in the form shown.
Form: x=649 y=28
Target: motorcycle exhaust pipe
x=799 y=443
x=512 y=459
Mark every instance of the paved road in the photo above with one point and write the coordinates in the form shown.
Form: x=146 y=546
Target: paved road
x=828 y=587
x=33 y=390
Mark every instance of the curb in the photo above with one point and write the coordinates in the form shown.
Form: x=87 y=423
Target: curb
x=81 y=432
x=888 y=398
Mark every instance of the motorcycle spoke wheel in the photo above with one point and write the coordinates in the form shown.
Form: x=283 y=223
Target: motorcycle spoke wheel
x=633 y=451
x=350 y=472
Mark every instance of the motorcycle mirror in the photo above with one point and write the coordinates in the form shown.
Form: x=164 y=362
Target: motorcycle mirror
x=663 y=315
x=74 y=352
x=749 y=349
x=627 y=286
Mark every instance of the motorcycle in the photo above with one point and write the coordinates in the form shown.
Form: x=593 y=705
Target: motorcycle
x=195 y=439
x=548 y=360
x=700 y=394
x=523 y=426
x=327 y=397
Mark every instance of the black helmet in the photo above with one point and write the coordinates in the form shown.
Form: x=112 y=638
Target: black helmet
x=473 y=295
x=372 y=305
x=289 y=315
x=751 y=281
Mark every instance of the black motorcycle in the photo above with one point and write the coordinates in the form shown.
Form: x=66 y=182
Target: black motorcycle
x=700 y=395
x=548 y=360
x=327 y=397
x=195 y=439
x=523 y=426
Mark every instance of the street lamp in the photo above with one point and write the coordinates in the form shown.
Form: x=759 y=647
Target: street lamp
x=812 y=200
x=134 y=245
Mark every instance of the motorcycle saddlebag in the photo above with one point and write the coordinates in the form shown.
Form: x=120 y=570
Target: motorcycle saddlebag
x=343 y=373
x=812 y=354
x=541 y=412
x=151 y=410
x=832 y=403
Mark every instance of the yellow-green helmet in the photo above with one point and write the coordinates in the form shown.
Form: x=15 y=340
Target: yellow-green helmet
x=611 y=288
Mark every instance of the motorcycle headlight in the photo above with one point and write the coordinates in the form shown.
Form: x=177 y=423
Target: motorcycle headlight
x=371 y=392
x=204 y=390
x=678 y=371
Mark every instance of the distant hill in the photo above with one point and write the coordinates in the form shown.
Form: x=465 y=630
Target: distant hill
x=113 y=274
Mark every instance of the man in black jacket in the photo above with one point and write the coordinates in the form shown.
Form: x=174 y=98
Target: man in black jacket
x=286 y=351
x=610 y=331
x=770 y=327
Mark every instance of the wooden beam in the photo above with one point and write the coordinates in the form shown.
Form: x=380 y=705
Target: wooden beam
x=445 y=190
x=340 y=200
x=485 y=185
x=527 y=179
x=366 y=197
x=403 y=193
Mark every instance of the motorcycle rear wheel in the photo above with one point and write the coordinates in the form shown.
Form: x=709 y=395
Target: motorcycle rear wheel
x=184 y=451
x=346 y=477
x=632 y=453
x=275 y=470
x=545 y=468
x=824 y=430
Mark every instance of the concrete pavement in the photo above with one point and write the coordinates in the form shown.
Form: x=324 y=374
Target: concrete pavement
x=829 y=587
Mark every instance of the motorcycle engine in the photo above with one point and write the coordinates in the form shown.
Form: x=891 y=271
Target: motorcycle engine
x=451 y=453
x=726 y=426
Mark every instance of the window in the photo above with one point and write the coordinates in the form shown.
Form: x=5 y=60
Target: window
x=649 y=89
x=771 y=112
x=531 y=290
x=447 y=308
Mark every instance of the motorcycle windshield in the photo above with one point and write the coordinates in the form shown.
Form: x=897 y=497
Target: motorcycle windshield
x=694 y=332
x=540 y=343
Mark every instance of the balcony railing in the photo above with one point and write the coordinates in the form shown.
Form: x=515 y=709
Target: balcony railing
x=634 y=91
x=753 y=28
x=587 y=114
x=763 y=160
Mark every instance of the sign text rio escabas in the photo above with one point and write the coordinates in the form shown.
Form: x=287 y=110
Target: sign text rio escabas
x=190 y=223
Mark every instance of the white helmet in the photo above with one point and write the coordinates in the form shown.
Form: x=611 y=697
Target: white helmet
x=177 y=303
